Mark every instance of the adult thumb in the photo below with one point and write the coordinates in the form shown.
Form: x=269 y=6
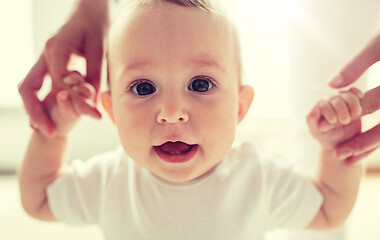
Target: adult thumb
x=57 y=58
x=369 y=55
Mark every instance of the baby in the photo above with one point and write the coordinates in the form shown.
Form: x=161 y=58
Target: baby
x=176 y=96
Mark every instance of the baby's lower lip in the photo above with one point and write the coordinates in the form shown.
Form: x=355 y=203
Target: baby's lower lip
x=176 y=157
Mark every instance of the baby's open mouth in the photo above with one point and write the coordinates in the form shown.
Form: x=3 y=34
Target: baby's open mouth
x=176 y=152
x=175 y=148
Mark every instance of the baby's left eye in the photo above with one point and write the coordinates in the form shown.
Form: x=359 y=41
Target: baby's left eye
x=201 y=84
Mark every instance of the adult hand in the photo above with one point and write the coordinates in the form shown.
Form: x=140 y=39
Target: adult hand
x=363 y=144
x=82 y=35
x=366 y=142
x=368 y=56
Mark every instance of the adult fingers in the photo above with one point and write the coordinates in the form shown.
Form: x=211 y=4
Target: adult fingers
x=371 y=101
x=357 y=92
x=353 y=159
x=353 y=103
x=83 y=99
x=369 y=104
x=28 y=89
x=94 y=57
x=358 y=65
x=360 y=144
x=57 y=57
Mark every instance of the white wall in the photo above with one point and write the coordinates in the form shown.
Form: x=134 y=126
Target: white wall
x=88 y=138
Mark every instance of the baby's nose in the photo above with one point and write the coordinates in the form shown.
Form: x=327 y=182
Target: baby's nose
x=172 y=111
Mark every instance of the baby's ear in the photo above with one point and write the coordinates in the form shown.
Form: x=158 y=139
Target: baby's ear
x=107 y=104
x=246 y=94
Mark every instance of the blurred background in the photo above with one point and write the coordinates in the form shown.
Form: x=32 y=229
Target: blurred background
x=271 y=33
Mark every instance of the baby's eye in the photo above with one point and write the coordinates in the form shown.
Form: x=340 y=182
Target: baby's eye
x=201 y=84
x=143 y=88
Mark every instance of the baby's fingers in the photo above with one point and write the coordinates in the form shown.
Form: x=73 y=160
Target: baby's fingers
x=328 y=111
x=353 y=102
x=341 y=109
x=75 y=82
x=73 y=78
x=359 y=94
x=65 y=105
x=86 y=90
x=85 y=106
x=313 y=118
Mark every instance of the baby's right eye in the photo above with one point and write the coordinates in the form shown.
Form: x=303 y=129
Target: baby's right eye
x=143 y=88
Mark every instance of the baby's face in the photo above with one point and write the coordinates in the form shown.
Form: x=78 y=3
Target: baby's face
x=175 y=91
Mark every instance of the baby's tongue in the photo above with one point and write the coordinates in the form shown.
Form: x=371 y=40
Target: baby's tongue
x=175 y=147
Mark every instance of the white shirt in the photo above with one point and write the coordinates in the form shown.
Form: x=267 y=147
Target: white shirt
x=244 y=197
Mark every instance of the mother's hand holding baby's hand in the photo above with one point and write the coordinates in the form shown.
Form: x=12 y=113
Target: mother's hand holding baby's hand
x=366 y=142
x=82 y=35
x=64 y=108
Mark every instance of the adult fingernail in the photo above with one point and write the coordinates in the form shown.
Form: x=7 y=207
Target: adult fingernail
x=337 y=80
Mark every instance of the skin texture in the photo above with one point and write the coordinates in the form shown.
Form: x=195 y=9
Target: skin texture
x=331 y=122
x=169 y=47
x=368 y=141
x=82 y=35
x=156 y=47
x=224 y=105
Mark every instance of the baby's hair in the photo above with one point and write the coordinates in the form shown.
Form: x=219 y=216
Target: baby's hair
x=211 y=6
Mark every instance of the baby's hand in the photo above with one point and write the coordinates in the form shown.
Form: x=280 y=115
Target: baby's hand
x=336 y=120
x=61 y=106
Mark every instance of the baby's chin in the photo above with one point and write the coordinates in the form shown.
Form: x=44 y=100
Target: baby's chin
x=185 y=175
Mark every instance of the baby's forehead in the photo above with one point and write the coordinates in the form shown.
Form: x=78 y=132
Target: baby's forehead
x=151 y=21
x=165 y=11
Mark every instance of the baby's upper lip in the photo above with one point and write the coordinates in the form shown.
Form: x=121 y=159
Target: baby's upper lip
x=174 y=139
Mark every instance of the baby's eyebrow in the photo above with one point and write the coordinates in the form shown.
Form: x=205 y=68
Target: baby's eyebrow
x=206 y=61
x=139 y=64
x=197 y=61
